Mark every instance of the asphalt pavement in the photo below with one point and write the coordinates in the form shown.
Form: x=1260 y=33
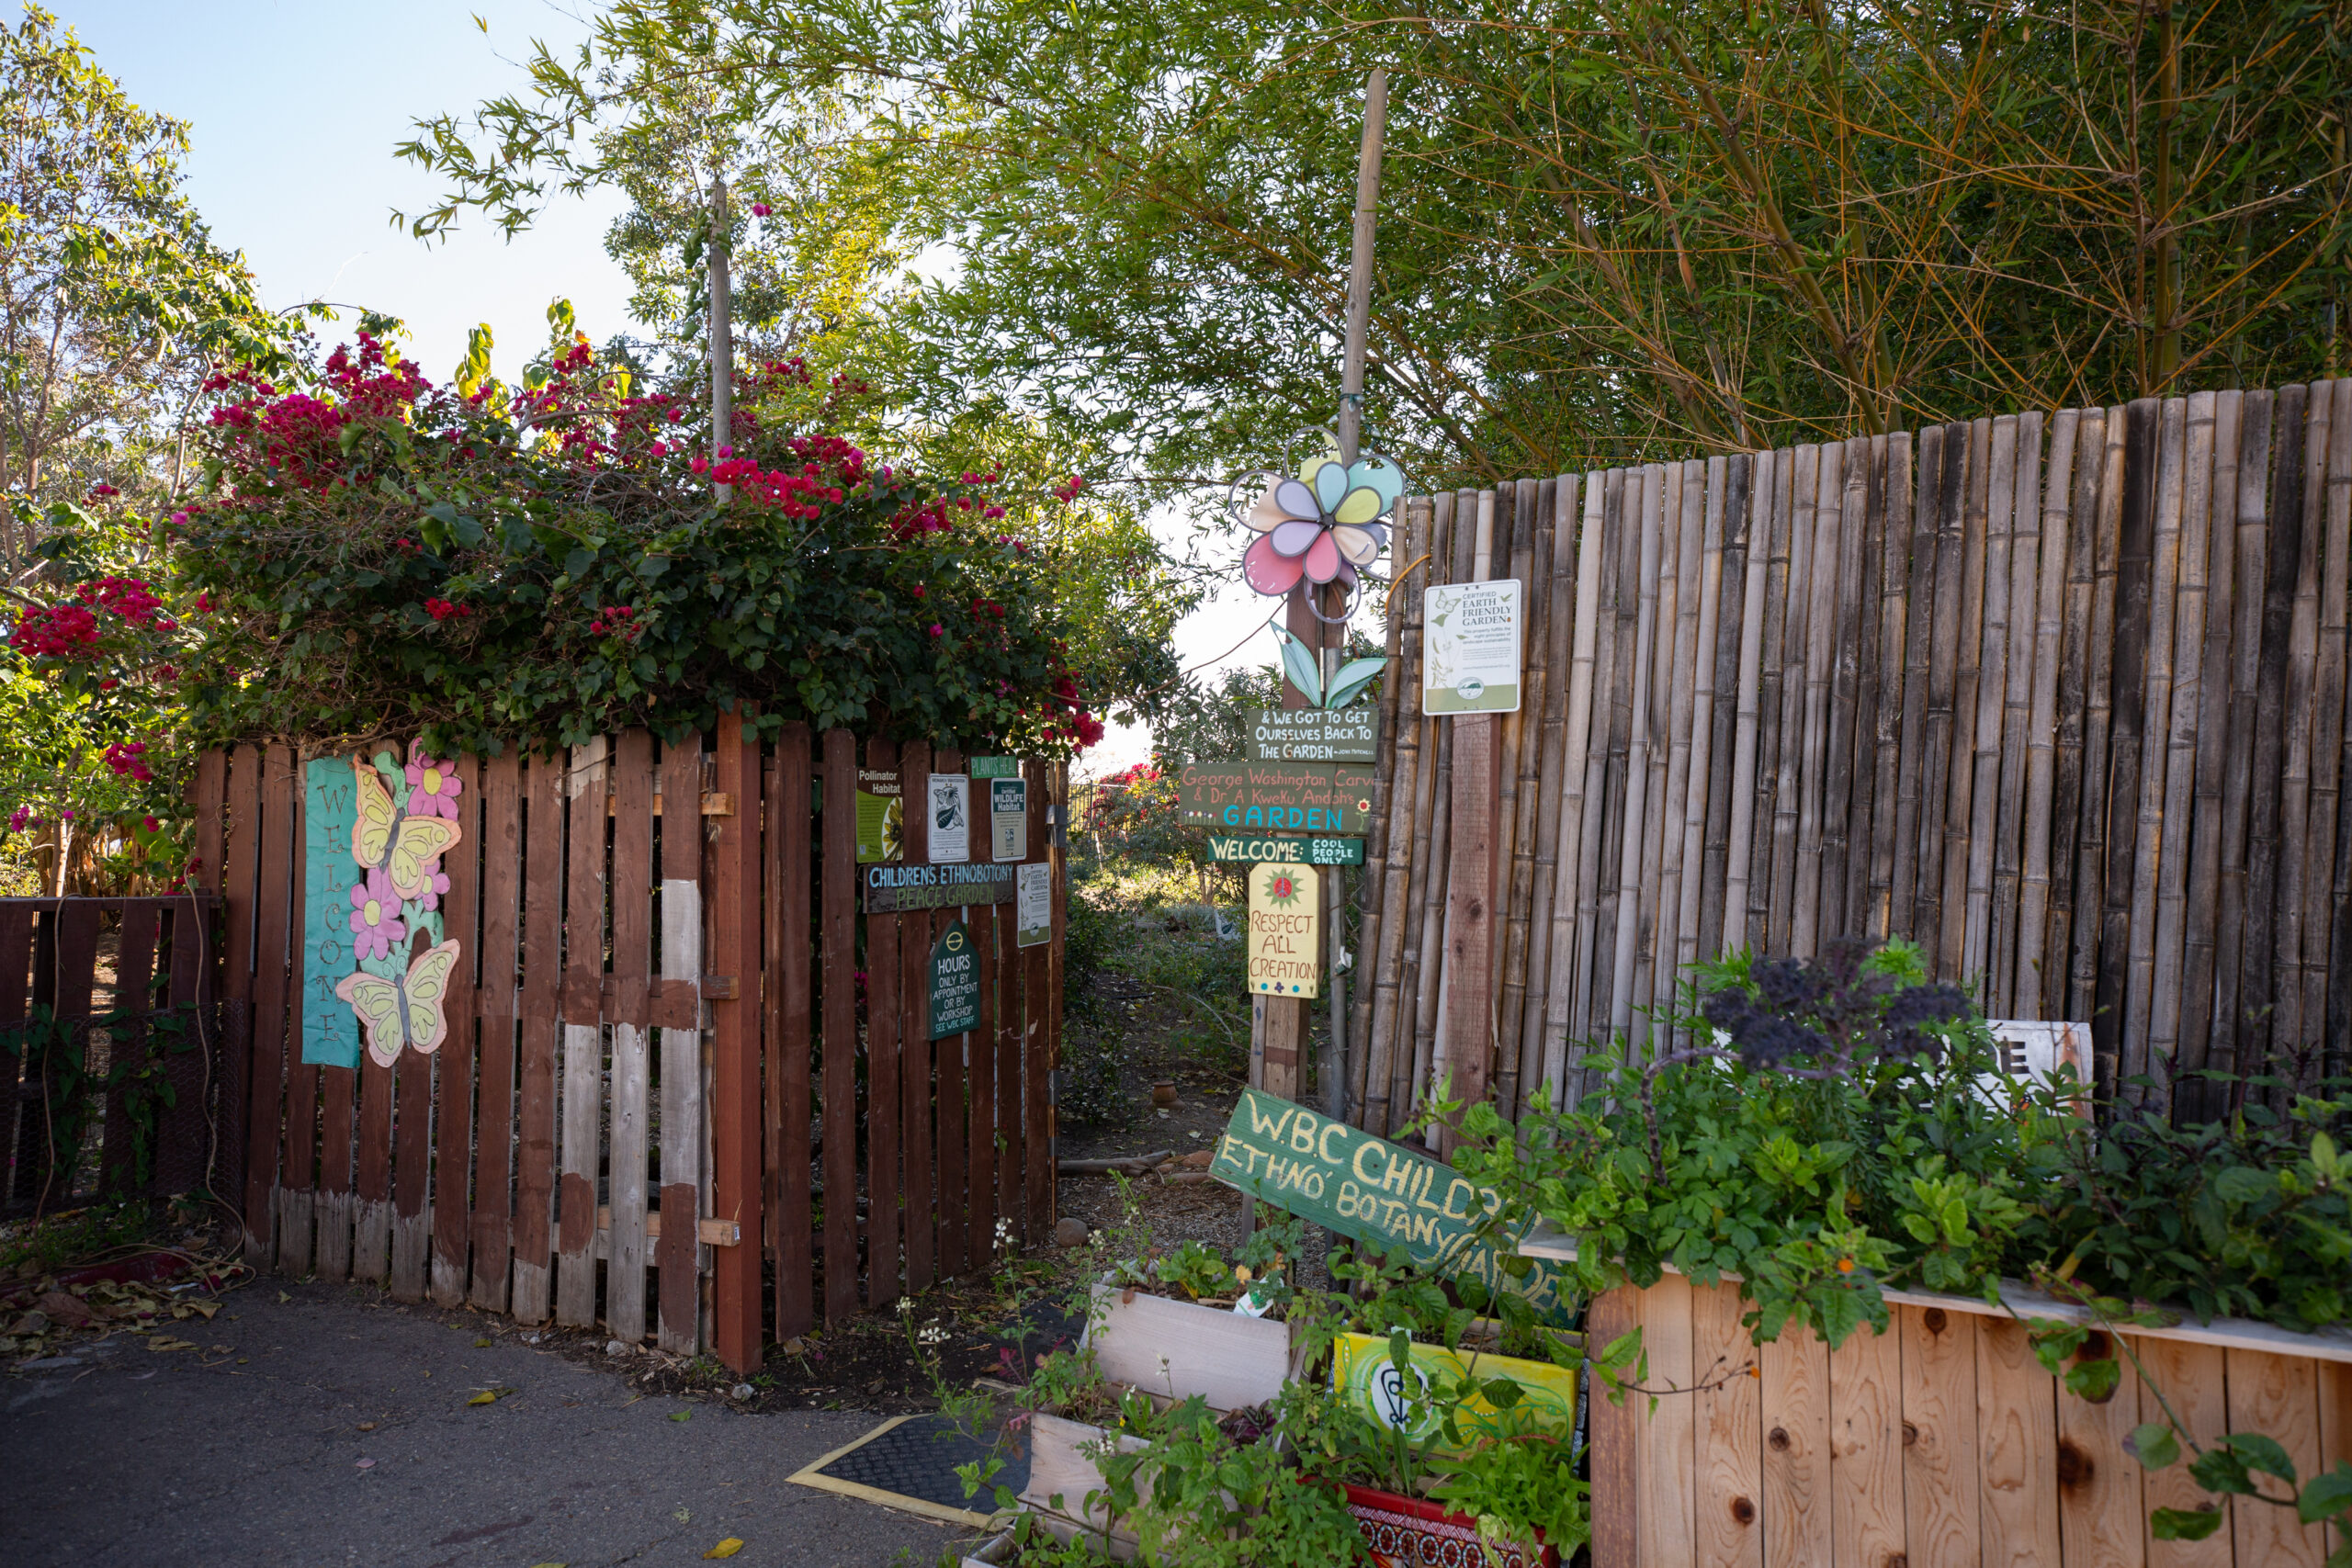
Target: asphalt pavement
x=254 y=1453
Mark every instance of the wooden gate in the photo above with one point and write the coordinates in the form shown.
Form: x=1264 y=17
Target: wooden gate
x=674 y=1051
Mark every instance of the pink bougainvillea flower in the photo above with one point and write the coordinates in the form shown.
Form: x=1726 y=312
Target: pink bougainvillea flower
x=376 y=922
x=1322 y=526
x=433 y=787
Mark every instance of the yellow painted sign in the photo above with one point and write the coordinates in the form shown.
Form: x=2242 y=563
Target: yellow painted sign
x=1364 y=1375
x=1285 y=930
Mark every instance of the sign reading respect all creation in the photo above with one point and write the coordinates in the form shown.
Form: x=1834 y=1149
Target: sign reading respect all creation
x=1346 y=1180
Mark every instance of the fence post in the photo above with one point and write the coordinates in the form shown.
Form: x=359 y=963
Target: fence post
x=735 y=1069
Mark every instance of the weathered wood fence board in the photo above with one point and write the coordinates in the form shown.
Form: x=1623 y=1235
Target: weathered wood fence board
x=1940 y=1443
x=672 y=1055
x=156 y=997
x=2061 y=699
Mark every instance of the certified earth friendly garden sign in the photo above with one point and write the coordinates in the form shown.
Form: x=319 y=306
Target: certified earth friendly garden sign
x=1285 y=930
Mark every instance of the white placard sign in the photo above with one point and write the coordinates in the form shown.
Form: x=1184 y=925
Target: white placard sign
x=949 y=801
x=1032 y=904
x=1470 y=646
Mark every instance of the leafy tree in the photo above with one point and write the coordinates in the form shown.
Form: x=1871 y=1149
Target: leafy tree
x=115 y=302
x=1610 y=228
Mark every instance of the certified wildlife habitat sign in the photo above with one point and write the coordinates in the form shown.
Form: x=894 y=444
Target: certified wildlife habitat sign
x=1344 y=1178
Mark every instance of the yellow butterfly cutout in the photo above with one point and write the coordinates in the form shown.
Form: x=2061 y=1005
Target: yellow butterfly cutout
x=405 y=847
x=404 y=1012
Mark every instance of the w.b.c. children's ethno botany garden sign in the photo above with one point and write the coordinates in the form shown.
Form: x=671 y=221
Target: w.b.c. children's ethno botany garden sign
x=1348 y=1180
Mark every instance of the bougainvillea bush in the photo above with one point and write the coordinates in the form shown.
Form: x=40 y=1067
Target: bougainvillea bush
x=375 y=554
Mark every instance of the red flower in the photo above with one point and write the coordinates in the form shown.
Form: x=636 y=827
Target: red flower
x=441 y=609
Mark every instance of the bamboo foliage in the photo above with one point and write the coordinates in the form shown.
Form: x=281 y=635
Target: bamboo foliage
x=2062 y=700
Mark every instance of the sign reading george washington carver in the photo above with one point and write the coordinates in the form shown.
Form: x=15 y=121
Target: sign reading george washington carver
x=1346 y=1180
x=1273 y=798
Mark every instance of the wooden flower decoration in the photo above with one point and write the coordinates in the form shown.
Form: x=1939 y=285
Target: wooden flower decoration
x=1321 y=526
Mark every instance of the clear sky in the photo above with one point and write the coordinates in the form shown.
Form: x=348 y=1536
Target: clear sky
x=295 y=109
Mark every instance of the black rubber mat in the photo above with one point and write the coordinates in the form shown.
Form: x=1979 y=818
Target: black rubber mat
x=917 y=1458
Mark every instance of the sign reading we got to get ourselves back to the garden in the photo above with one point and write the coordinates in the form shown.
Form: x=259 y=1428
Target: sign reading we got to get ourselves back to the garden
x=1346 y=1180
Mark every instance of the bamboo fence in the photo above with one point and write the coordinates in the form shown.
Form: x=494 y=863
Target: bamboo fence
x=2061 y=699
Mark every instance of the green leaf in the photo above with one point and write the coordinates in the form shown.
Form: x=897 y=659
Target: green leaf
x=1350 y=679
x=2153 y=1444
x=2327 y=1496
x=2244 y=1184
x=2262 y=1453
x=1298 y=665
x=2094 y=1381
x=2184 y=1524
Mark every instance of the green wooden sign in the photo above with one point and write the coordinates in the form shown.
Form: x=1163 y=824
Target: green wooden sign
x=993 y=768
x=1285 y=851
x=1314 y=735
x=1272 y=798
x=1344 y=1178
x=954 y=983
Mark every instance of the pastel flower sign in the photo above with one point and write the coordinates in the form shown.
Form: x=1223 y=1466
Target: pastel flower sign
x=1323 y=525
x=375 y=964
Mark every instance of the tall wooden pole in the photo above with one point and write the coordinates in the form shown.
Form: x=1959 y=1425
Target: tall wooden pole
x=722 y=337
x=1332 y=639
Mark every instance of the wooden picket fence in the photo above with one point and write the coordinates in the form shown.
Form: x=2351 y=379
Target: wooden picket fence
x=2060 y=699
x=688 y=1088
x=136 y=1021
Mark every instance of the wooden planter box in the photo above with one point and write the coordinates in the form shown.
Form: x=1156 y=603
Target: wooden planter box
x=1406 y=1532
x=1175 y=1349
x=1940 y=1442
x=1060 y=1463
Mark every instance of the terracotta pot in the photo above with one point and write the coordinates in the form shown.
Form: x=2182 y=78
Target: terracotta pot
x=1163 y=1093
x=1409 y=1532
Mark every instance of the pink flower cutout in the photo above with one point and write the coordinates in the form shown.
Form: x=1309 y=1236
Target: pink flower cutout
x=433 y=786
x=436 y=883
x=376 y=921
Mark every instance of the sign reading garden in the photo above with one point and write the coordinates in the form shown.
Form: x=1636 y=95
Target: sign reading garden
x=1348 y=1180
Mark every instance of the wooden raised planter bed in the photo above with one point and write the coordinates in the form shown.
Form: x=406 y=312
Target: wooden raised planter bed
x=1941 y=1442
x=1175 y=1349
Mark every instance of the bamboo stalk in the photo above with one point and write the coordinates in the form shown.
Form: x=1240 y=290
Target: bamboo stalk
x=2136 y=1056
x=1911 y=789
x=1625 y=500
x=2073 y=705
x=1787 y=810
x=1431 y=836
x=1891 y=474
x=2170 y=998
x=2016 y=706
x=1686 y=519
x=1951 y=921
x=1705 y=668
x=2337 y=1021
x=1841 y=894
x=1740 y=847
x=2098 y=783
x=1820 y=671
x=2199 y=950
x=1557 y=581
x=2031 y=998
x=2257 y=416
x=2287 y=1034
x=2326 y=496
x=1633 y=839
x=1531 y=564
x=2258 y=993
x=1727 y=489
x=1991 y=693
x=1385 y=894
x=1564 y=1009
